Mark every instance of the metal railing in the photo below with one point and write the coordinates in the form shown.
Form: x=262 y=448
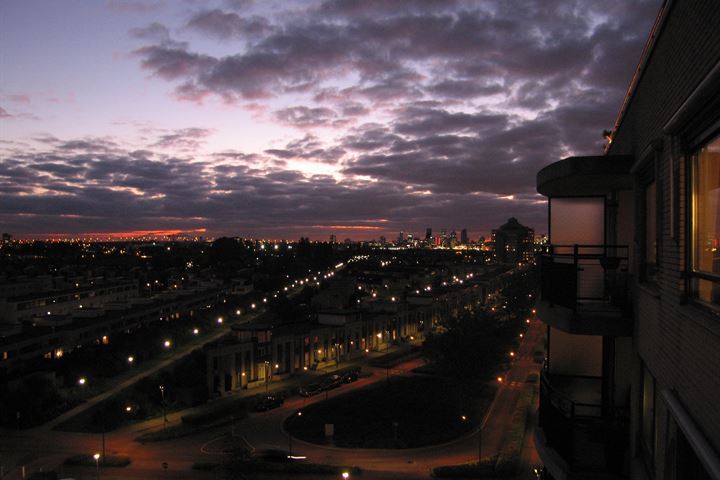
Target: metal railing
x=574 y=276
x=588 y=436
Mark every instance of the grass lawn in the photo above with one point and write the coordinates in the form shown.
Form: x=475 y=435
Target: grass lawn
x=426 y=411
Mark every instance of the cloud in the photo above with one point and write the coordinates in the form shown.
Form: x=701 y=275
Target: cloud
x=426 y=113
x=306 y=117
x=188 y=139
x=173 y=62
x=224 y=25
x=155 y=31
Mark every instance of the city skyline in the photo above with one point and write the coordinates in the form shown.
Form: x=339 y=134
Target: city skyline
x=281 y=120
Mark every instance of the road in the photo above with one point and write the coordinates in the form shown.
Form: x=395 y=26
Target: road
x=46 y=449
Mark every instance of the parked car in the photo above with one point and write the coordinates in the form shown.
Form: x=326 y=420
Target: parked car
x=277 y=455
x=268 y=402
x=350 y=377
x=310 y=390
x=333 y=381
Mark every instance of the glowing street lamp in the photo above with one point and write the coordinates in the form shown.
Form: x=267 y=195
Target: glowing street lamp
x=220 y=320
x=82 y=381
x=195 y=331
x=97 y=465
x=167 y=343
x=131 y=359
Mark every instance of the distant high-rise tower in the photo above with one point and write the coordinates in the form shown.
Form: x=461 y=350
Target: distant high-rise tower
x=513 y=242
x=333 y=239
x=428 y=234
x=463 y=237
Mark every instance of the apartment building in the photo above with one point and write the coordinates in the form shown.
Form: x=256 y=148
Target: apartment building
x=631 y=278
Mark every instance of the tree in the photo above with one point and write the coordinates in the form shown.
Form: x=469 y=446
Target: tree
x=466 y=347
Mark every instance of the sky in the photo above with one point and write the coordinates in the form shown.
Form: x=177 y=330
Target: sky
x=276 y=119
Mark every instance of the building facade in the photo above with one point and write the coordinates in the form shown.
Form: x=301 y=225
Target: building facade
x=631 y=278
x=513 y=242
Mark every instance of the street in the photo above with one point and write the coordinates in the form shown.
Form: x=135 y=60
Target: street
x=46 y=449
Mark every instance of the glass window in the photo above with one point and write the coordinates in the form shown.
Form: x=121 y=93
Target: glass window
x=706 y=222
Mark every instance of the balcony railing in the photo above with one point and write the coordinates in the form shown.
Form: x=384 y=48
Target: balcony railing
x=586 y=277
x=589 y=437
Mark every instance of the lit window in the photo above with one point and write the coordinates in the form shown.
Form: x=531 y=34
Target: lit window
x=706 y=222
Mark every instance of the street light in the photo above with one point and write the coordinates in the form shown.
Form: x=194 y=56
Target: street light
x=82 y=380
x=268 y=372
x=167 y=343
x=162 y=395
x=97 y=465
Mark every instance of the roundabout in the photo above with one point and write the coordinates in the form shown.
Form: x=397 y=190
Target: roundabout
x=407 y=412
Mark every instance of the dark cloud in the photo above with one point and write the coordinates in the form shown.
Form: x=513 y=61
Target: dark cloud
x=453 y=88
x=426 y=121
x=224 y=25
x=172 y=62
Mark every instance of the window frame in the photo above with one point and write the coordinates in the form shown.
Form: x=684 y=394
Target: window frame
x=647 y=174
x=692 y=225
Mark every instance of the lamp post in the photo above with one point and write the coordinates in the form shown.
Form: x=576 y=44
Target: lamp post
x=267 y=376
x=387 y=350
x=104 y=427
x=162 y=395
x=97 y=465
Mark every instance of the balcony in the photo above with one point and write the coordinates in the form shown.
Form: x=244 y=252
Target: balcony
x=578 y=437
x=584 y=289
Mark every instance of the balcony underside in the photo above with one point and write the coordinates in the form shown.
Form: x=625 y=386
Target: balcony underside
x=588 y=318
x=595 y=175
